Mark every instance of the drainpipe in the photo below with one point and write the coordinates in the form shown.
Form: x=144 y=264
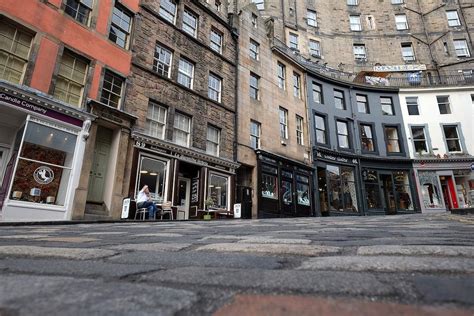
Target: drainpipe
x=461 y=11
x=435 y=63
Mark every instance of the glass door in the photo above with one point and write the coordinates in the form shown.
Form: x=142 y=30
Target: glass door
x=388 y=193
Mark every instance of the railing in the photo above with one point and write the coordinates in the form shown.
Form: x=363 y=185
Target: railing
x=410 y=79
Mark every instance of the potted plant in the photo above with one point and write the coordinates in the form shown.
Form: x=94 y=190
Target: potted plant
x=208 y=203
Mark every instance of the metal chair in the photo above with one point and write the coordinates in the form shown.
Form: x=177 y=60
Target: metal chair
x=166 y=209
x=142 y=212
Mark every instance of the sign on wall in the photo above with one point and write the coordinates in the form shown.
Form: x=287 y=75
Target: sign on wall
x=399 y=68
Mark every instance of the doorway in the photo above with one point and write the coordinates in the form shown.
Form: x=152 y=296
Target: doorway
x=184 y=192
x=388 y=193
x=100 y=163
x=449 y=193
x=3 y=161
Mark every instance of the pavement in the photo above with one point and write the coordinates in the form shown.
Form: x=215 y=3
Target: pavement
x=384 y=265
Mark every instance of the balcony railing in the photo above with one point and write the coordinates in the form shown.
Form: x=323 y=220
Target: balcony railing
x=396 y=80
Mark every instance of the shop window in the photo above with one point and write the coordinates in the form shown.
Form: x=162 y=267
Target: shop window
x=168 y=10
x=153 y=172
x=302 y=190
x=217 y=190
x=44 y=165
x=322 y=191
x=430 y=190
x=71 y=78
x=269 y=182
x=80 y=10
x=367 y=138
x=341 y=189
x=14 y=52
x=121 y=26
x=403 y=199
x=112 y=89
x=372 y=190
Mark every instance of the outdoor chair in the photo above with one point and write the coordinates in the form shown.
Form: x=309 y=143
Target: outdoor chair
x=167 y=209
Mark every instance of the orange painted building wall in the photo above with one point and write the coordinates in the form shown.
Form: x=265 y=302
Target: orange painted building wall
x=55 y=27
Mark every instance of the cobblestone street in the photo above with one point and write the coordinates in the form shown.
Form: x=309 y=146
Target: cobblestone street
x=410 y=265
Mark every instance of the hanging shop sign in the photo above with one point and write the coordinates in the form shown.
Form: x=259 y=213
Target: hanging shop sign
x=399 y=68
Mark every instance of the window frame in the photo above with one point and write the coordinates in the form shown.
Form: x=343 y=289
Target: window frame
x=325 y=131
x=213 y=142
x=111 y=91
x=216 y=45
x=177 y=128
x=257 y=136
x=217 y=90
x=157 y=62
x=165 y=13
x=347 y=135
x=387 y=139
x=299 y=129
x=311 y=16
x=283 y=122
x=183 y=74
x=342 y=99
x=459 y=138
x=371 y=125
x=127 y=33
x=401 y=25
x=366 y=103
x=444 y=106
x=150 y=119
x=187 y=27
x=410 y=105
x=254 y=90
x=392 y=106
x=254 y=50
x=319 y=92
x=426 y=138
x=281 y=75
x=296 y=85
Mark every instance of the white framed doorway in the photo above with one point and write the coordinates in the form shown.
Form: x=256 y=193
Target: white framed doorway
x=184 y=192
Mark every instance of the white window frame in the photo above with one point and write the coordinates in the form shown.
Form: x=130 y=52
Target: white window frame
x=355 y=23
x=162 y=63
x=312 y=18
x=215 y=87
x=185 y=71
x=159 y=120
x=281 y=73
x=164 y=11
x=283 y=115
x=453 y=18
x=188 y=27
x=213 y=143
x=299 y=129
x=461 y=48
x=255 y=135
x=184 y=129
x=401 y=22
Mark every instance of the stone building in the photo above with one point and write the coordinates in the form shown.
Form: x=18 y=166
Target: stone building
x=275 y=177
x=388 y=39
x=183 y=92
x=62 y=129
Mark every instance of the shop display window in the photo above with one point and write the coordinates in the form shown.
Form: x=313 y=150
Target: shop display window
x=153 y=172
x=217 y=190
x=430 y=190
x=302 y=189
x=269 y=182
x=286 y=192
x=404 y=199
x=372 y=190
x=44 y=164
x=341 y=188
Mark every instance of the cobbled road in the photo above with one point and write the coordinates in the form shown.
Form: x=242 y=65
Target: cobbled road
x=387 y=265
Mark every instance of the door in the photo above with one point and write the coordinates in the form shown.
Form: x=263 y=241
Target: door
x=388 y=193
x=449 y=192
x=184 y=192
x=287 y=193
x=3 y=161
x=98 y=171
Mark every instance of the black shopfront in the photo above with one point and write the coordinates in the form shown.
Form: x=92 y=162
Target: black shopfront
x=284 y=187
x=337 y=184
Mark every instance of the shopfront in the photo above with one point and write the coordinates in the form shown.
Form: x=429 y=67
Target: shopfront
x=444 y=184
x=185 y=177
x=41 y=148
x=284 y=186
x=337 y=184
x=388 y=187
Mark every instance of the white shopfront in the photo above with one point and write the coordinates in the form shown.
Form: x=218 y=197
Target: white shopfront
x=41 y=146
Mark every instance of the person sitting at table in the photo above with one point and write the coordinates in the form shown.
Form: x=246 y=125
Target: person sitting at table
x=144 y=201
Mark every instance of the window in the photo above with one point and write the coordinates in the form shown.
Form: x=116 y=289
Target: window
x=311 y=18
x=283 y=123
x=217 y=190
x=320 y=127
x=443 y=104
x=153 y=173
x=112 y=89
x=315 y=48
x=302 y=190
x=254 y=79
x=367 y=138
x=296 y=85
x=168 y=10
x=14 y=52
x=182 y=129
x=461 y=48
x=362 y=104
x=299 y=130
x=218 y=5
x=71 y=78
x=352 y=2
x=339 y=101
x=293 y=41
x=44 y=164
x=216 y=41
x=342 y=134
x=213 y=139
x=452 y=138
x=386 y=105
x=156 y=120
x=269 y=182
x=185 y=73
x=120 y=26
x=355 y=23
x=162 y=61
x=419 y=139
x=254 y=20
x=360 y=53
x=255 y=131
x=253 y=49
x=407 y=52
x=392 y=138
x=338 y=184
x=281 y=75
x=453 y=18
x=412 y=105
x=215 y=86
x=80 y=10
x=260 y=4
x=401 y=22
x=397 y=1
x=190 y=22
x=317 y=93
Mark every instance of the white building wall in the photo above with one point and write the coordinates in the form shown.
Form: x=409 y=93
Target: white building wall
x=462 y=112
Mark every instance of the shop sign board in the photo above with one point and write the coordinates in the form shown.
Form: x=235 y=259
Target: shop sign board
x=38 y=109
x=399 y=68
x=336 y=158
